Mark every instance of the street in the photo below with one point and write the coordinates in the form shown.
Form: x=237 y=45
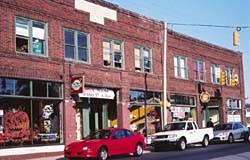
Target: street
x=238 y=150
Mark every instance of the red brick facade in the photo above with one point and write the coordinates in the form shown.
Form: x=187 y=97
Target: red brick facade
x=130 y=28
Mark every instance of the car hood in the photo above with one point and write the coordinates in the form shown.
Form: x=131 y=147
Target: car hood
x=80 y=144
x=168 y=132
x=221 y=131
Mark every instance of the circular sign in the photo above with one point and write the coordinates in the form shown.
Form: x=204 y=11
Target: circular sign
x=205 y=97
x=76 y=85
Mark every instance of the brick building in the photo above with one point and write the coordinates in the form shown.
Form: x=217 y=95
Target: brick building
x=49 y=49
x=195 y=67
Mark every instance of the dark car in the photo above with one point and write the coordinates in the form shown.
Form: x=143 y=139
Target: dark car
x=107 y=142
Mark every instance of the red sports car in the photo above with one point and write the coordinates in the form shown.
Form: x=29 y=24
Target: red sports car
x=107 y=142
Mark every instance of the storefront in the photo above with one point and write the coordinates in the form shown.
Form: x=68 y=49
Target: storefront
x=183 y=107
x=142 y=102
x=96 y=109
x=234 y=110
x=31 y=113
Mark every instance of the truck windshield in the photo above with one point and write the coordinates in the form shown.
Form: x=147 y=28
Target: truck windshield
x=175 y=126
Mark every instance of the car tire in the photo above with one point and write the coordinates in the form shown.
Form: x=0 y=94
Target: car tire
x=102 y=154
x=181 y=144
x=138 y=150
x=230 y=138
x=205 y=141
x=246 y=138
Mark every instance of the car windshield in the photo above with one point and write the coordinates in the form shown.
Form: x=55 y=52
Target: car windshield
x=101 y=134
x=175 y=126
x=223 y=127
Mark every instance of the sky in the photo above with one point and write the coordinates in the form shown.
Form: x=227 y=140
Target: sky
x=204 y=12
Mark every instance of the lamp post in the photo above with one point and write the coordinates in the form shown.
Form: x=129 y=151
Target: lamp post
x=145 y=107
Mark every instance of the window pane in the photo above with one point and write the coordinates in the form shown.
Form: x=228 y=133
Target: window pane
x=39 y=89
x=22 y=44
x=69 y=37
x=82 y=40
x=22 y=27
x=118 y=57
x=55 y=90
x=69 y=52
x=6 y=86
x=83 y=54
x=38 y=46
x=38 y=30
x=22 y=88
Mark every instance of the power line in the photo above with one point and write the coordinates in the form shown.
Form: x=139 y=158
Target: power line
x=208 y=25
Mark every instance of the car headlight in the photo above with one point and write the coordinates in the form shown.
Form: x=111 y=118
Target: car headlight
x=85 y=148
x=172 y=135
x=66 y=148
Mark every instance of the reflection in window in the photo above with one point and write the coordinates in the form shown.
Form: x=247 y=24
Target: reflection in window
x=22 y=88
x=6 y=86
x=76 y=45
x=55 y=89
x=112 y=53
x=143 y=59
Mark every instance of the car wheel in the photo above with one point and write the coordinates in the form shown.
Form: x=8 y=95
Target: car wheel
x=138 y=150
x=182 y=144
x=230 y=138
x=246 y=138
x=205 y=141
x=102 y=153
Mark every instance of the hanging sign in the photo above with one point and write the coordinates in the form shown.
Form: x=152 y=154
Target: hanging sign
x=77 y=85
x=205 y=97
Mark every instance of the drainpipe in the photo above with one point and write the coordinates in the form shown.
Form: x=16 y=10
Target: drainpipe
x=165 y=111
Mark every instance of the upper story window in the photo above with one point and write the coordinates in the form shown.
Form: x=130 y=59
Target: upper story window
x=76 y=45
x=143 y=59
x=215 y=74
x=112 y=53
x=31 y=36
x=180 y=67
x=199 y=70
x=229 y=71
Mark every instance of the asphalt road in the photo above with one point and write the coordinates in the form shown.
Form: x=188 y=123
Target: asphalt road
x=235 y=151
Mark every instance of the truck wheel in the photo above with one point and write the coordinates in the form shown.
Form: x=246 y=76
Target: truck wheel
x=230 y=138
x=205 y=141
x=182 y=144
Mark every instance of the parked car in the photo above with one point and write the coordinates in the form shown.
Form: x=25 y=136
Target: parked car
x=180 y=134
x=228 y=132
x=107 y=142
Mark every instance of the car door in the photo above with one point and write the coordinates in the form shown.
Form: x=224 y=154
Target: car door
x=191 y=133
x=237 y=130
x=118 y=139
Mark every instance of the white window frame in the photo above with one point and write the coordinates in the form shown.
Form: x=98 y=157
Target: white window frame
x=142 y=57
x=229 y=71
x=34 y=36
x=180 y=67
x=199 y=71
x=215 y=74
x=115 y=47
x=76 y=47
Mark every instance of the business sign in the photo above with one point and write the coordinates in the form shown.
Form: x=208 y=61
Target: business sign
x=77 y=85
x=205 y=97
x=97 y=93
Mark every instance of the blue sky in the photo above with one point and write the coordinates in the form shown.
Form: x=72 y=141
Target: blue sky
x=209 y=12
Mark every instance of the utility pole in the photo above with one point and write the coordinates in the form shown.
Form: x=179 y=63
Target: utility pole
x=165 y=111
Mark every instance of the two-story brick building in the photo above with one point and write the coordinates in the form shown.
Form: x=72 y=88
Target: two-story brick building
x=195 y=69
x=50 y=49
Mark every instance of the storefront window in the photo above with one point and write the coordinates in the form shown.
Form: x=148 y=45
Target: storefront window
x=233 y=110
x=137 y=111
x=28 y=120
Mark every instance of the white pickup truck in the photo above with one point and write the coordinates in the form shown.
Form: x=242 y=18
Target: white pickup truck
x=180 y=134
